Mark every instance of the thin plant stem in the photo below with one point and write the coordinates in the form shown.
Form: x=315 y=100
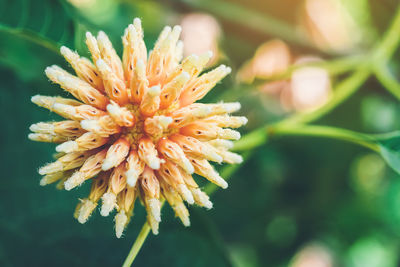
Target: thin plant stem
x=226 y=172
x=388 y=80
x=390 y=42
x=326 y=132
x=137 y=245
x=344 y=90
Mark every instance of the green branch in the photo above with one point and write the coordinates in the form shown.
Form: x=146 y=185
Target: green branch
x=343 y=91
x=137 y=245
x=226 y=172
x=388 y=80
x=326 y=132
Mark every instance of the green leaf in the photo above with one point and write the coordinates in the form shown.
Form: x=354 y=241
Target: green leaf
x=389 y=147
x=44 y=22
x=30 y=35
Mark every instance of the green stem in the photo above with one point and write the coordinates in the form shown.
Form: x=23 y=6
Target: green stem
x=326 y=132
x=137 y=245
x=388 y=80
x=261 y=135
x=391 y=40
x=344 y=90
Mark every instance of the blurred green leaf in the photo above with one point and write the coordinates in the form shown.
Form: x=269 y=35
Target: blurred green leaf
x=46 y=23
x=389 y=147
x=372 y=252
x=30 y=35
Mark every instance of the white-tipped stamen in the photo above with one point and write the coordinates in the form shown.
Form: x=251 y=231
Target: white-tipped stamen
x=164 y=121
x=154 y=91
x=221 y=143
x=109 y=200
x=182 y=213
x=51 y=168
x=131 y=177
x=187 y=166
x=67 y=147
x=229 y=134
x=201 y=198
x=121 y=221
x=155 y=208
x=91 y=125
x=75 y=180
x=185 y=193
x=85 y=210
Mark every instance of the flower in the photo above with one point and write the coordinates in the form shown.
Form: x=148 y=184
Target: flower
x=134 y=129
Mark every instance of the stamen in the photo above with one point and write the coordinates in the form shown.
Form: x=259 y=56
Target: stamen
x=114 y=86
x=203 y=168
x=89 y=169
x=151 y=101
x=156 y=125
x=171 y=91
x=109 y=203
x=84 y=210
x=121 y=115
x=135 y=167
x=174 y=152
x=197 y=89
x=77 y=87
x=86 y=141
x=116 y=154
x=83 y=68
x=148 y=153
x=66 y=162
x=103 y=126
x=109 y=55
x=121 y=220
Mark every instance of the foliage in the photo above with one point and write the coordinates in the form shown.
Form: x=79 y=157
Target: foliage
x=299 y=184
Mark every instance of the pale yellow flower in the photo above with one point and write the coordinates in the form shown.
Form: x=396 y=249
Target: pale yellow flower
x=134 y=129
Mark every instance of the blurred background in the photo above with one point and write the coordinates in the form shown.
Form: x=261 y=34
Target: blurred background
x=297 y=201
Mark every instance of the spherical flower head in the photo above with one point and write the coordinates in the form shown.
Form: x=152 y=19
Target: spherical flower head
x=134 y=129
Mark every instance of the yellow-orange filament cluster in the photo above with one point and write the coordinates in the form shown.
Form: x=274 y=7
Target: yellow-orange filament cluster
x=135 y=129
